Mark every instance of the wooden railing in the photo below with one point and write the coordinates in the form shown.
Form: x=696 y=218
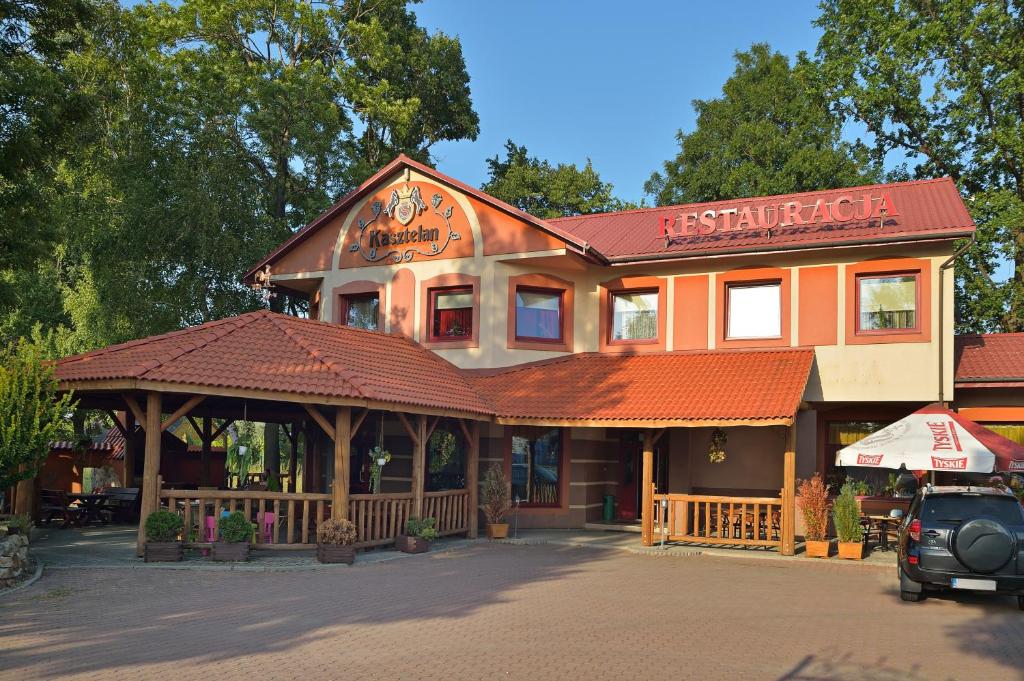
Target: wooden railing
x=730 y=521
x=378 y=518
x=450 y=509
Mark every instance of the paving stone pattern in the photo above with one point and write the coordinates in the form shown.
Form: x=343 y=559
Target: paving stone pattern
x=492 y=611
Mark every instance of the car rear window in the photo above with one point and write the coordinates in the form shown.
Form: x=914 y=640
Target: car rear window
x=955 y=509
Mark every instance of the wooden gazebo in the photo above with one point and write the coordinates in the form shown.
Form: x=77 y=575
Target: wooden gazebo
x=313 y=378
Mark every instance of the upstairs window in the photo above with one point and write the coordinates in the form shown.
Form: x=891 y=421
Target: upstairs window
x=361 y=311
x=887 y=302
x=451 y=314
x=538 y=314
x=634 y=315
x=754 y=310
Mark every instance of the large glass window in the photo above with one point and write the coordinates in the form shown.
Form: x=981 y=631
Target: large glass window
x=887 y=302
x=635 y=315
x=451 y=314
x=538 y=314
x=361 y=311
x=537 y=466
x=754 y=310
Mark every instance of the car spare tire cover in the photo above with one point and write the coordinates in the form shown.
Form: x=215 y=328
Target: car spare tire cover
x=983 y=545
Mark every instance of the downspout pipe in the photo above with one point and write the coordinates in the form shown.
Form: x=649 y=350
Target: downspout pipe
x=942 y=312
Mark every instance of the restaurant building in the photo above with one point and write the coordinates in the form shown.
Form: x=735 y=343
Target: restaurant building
x=700 y=358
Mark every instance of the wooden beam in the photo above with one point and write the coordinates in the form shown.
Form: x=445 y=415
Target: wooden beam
x=640 y=423
x=412 y=432
x=117 y=422
x=206 y=435
x=151 y=468
x=647 y=491
x=789 y=494
x=289 y=431
x=129 y=450
x=342 y=448
x=473 y=475
x=195 y=425
x=419 y=455
x=220 y=431
x=293 y=454
x=433 y=425
x=182 y=411
x=465 y=431
x=136 y=410
x=320 y=419
x=359 y=422
x=658 y=435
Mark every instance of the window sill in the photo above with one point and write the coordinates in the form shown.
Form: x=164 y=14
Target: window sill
x=539 y=344
x=872 y=337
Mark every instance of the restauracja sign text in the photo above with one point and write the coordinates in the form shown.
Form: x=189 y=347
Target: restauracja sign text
x=845 y=208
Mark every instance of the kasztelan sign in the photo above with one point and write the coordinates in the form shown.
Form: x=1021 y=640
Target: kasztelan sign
x=378 y=241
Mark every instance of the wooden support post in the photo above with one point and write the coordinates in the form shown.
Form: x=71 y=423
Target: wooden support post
x=473 y=477
x=419 y=455
x=293 y=456
x=789 y=494
x=306 y=459
x=207 y=438
x=130 y=440
x=647 y=496
x=151 y=467
x=24 y=496
x=342 y=446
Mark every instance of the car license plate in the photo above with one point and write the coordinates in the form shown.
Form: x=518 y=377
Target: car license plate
x=976 y=584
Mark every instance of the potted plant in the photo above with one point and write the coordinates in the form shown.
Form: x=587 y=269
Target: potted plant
x=334 y=541
x=235 y=534
x=418 y=535
x=846 y=516
x=162 y=543
x=496 y=502
x=814 y=506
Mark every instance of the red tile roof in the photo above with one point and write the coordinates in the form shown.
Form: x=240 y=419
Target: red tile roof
x=273 y=353
x=718 y=385
x=926 y=209
x=266 y=351
x=990 y=360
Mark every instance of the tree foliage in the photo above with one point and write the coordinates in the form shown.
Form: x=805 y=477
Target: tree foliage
x=942 y=83
x=545 y=190
x=31 y=411
x=771 y=132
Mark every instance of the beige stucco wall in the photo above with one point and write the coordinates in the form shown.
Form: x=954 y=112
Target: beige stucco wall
x=843 y=373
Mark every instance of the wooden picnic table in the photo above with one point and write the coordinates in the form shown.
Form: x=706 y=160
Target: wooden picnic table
x=93 y=505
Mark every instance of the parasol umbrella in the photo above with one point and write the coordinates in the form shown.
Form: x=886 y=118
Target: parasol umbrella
x=935 y=439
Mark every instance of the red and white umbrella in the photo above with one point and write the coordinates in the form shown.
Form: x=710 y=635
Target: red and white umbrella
x=935 y=439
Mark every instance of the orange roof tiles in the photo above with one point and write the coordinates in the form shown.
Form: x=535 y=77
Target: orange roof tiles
x=266 y=351
x=275 y=352
x=702 y=386
x=987 y=360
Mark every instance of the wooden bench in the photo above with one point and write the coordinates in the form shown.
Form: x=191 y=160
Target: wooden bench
x=123 y=503
x=53 y=503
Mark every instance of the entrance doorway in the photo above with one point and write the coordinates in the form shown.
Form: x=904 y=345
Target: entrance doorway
x=630 y=492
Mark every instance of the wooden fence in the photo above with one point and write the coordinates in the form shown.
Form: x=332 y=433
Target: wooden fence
x=729 y=521
x=378 y=518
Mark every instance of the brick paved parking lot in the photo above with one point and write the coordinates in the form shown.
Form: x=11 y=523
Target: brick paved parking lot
x=506 y=612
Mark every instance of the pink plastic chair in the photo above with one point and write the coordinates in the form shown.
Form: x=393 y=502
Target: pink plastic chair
x=211 y=532
x=268 y=519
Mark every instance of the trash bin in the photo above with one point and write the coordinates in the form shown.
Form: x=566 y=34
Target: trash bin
x=609 y=507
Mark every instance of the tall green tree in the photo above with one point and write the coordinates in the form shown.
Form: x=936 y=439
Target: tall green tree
x=771 y=132
x=545 y=190
x=942 y=84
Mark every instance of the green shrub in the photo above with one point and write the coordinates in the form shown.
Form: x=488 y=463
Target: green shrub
x=19 y=524
x=235 y=529
x=494 y=495
x=846 y=515
x=163 y=526
x=422 y=528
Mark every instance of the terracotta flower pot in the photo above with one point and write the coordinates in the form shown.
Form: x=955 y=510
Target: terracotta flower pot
x=163 y=552
x=497 y=530
x=851 y=550
x=335 y=553
x=235 y=552
x=817 y=549
x=407 y=544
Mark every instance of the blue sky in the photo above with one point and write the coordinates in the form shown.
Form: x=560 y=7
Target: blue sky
x=609 y=81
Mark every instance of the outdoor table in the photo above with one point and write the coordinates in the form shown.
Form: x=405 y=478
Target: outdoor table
x=883 y=521
x=92 y=504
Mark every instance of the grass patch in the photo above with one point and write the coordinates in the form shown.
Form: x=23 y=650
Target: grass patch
x=59 y=592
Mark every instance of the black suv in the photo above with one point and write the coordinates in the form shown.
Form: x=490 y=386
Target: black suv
x=962 y=538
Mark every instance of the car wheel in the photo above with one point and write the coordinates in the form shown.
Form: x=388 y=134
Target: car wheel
x=911 y=597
